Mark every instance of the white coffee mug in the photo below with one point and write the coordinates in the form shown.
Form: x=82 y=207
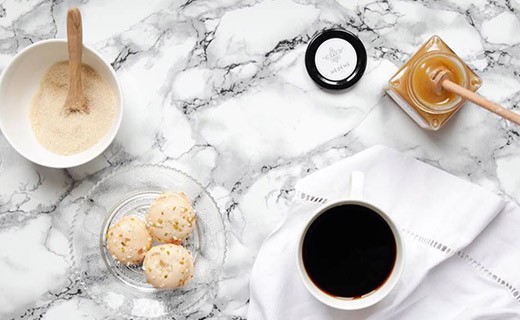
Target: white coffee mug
x=355 y=198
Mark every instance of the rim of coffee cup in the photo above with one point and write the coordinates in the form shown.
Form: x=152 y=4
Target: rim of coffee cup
x=371 y=298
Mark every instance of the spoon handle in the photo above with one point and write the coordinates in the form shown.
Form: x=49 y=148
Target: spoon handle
x=481 y=101
x=75 y=45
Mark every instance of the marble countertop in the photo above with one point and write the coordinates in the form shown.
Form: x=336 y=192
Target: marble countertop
x=219 y=89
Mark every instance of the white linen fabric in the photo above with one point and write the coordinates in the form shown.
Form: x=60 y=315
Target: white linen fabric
x=462 y=245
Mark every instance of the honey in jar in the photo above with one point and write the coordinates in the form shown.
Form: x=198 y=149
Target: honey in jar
x=413 y=89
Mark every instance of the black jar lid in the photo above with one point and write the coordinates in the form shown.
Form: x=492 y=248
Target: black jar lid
x=335 y=59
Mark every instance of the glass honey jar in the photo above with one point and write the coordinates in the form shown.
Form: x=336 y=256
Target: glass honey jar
x=413 y=90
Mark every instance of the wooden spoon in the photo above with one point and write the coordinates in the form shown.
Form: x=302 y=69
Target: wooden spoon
x=75 y=101
x=441 y=82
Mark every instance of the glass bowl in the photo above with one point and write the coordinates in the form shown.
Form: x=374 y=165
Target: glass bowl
x=121 y=289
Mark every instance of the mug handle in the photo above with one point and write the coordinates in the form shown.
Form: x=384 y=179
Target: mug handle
x=357 y=182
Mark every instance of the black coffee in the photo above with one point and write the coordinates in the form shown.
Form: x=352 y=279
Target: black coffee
x=349 y=251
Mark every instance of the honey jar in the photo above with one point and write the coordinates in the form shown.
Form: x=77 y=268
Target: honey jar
x=413 y=90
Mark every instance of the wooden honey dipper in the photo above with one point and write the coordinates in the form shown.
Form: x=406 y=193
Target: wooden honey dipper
x=440 y=81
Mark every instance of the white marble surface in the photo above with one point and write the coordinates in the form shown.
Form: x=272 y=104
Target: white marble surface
x=219 y=89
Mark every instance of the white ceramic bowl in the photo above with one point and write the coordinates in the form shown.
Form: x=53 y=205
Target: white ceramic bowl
x=19 y=83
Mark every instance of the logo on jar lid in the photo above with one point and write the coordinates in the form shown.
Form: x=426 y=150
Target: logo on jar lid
x=334 y=55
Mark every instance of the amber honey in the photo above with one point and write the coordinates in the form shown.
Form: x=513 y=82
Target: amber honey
x=423 y=86
x=413 y=89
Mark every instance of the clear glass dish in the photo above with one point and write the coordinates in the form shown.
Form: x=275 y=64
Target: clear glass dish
x=122 y=290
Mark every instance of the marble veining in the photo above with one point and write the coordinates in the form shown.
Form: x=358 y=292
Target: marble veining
x=219 y=90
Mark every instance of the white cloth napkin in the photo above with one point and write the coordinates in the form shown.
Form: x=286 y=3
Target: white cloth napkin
x=461 y=244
